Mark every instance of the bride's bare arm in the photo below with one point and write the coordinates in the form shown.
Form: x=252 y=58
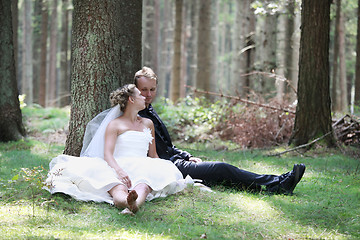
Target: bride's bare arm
x=111 y=135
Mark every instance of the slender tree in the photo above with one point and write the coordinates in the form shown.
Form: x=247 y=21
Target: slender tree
x=27 y=76
x=335 y=93
x=150 y=34
x=204 y=54
x=313 y=112
x=106 y=52
x=43 y=52
x=36 y=49
x=64 y=83
x=357 y=74
x=176 y=67
x=52 y=79
x=11 y=126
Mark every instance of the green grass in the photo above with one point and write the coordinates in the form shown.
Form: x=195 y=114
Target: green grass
x=325 y=204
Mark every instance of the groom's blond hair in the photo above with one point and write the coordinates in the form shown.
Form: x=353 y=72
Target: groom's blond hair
x=145 y=72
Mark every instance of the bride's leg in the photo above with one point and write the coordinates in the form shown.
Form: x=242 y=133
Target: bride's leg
x=119 y=194
x=141 y=190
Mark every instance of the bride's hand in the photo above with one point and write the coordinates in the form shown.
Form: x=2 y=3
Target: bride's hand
x=124 y=178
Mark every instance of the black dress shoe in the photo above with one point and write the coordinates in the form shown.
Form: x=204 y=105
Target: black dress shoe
x=288 y=184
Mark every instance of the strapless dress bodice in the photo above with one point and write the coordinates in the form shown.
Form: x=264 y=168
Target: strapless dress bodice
x=133 y=144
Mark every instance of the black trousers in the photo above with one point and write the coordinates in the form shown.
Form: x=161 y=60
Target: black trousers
x=219 y=173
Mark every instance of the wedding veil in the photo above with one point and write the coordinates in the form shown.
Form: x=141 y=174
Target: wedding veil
x=94 y=137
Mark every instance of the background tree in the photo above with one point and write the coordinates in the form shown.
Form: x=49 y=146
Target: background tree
x=313 y=113
x=11 y=127
x=176 y=63
x=43 y=53
x=357 y=74
x=205 y=64
x=106 y=51
x=27 y=57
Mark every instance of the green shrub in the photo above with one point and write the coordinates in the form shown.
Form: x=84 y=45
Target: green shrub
x=191 y=119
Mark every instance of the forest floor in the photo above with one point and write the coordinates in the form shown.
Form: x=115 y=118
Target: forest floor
x=325 y=204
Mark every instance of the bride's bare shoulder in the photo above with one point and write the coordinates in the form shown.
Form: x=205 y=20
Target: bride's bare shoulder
x=147 y=122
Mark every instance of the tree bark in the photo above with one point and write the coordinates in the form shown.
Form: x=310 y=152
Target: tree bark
x=313 y=111
x=11 y=126
x=106 y=52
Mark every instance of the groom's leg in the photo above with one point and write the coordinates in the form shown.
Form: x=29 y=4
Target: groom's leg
x=219 y=173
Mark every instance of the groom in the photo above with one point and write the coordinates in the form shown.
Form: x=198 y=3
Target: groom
x=211 y=173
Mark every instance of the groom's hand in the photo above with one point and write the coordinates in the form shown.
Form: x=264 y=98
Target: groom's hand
x=195 y=159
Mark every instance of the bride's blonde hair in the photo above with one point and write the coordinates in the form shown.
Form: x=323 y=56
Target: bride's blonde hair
x=121 y=96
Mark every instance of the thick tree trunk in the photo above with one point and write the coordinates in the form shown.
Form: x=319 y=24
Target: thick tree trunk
x=106 y=52
x=313 y=113
x=357 y=74
x=176 y=63
x=11 y=127
x=43 y=61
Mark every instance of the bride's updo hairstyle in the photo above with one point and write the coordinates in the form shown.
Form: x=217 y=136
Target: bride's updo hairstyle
x=121 y=96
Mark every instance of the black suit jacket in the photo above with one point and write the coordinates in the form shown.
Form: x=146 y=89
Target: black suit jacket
x=164 y=147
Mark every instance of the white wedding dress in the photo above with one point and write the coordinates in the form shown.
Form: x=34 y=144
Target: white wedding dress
x=90 y=178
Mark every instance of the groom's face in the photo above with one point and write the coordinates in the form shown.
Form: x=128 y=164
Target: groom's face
x=147 y=87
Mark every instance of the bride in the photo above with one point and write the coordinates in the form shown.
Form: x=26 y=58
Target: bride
x=118 y=163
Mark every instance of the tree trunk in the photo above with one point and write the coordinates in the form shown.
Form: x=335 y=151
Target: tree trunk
x=43 y=60
x=166 y=40
x=335 y=93
x=176 y=63
x=281 y=58
x=15 y=26
x=270 y=48
x=344 y=105
x=27 y=76
x=36 y=49
x=150 y=34
x=313 y=112
x=357 y=71
x=239 y=43
x=192 y=43
x=106 y=52
x=11 y=126
x=289 y=48
x=51 y=91
x=204 y=55
x=64 y=83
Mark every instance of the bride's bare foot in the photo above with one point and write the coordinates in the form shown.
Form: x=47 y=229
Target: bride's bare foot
x=131 y=200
